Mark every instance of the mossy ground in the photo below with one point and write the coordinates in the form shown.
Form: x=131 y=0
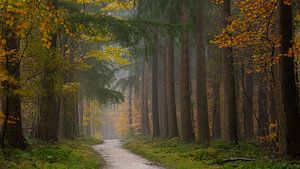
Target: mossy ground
x=69 y=154
x=179 y=155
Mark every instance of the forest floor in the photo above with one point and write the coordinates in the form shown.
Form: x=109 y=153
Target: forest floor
x=178 y=155
x=68 y=154
x=117 y=157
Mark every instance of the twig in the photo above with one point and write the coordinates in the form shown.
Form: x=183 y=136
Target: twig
x=232 y=160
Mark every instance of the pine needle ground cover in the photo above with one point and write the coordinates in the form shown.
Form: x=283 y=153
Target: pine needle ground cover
x=69 y=154
x=178 y=155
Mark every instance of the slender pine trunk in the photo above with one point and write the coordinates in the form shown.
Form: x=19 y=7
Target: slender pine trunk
x=144 y=95
x=186 y=115
x=155 y=118
x=202 y=112
x=216 y=135
x=229 y=85
x=248 y=106
x=172 y=118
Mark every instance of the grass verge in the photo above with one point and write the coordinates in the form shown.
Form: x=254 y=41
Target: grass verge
x=68 y=154
x=178 y=155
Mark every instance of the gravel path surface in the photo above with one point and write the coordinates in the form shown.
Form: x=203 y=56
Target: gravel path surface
x=117 y=157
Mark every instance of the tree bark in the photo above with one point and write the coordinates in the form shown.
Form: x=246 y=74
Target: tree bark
x=289 y=118
x=80 y=112
x=202 y=112
x=272 y=107
x=145 y=110
x=263 y=118
x=163 y=93
x=69 y=109
x=160 y=92
x=69 y=101
x=216 y=135
x=155 y=118
x=229 y=85
x=88 y=117
x=130 y=120
x=47 y=127
x=12 y=132
x=186 y=118
x=172 y=118
x=248 y=106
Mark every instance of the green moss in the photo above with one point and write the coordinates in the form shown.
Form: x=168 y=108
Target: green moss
x=69 y=154
x=178 y=155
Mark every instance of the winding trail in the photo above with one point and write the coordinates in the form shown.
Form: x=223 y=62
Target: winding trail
x=117 y=157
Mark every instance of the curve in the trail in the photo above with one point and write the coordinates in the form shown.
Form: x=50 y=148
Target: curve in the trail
x=117 y=157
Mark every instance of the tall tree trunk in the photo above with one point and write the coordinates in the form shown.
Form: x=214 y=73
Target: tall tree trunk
x=263 y=121
x=161 y=105
x=238 y=80
x=130 y=120
x=202 y=112
x=70 y=115
x=144 y=95
x=80 y=112
x=91 y=117
x=69 y=109
x=229 y=85
x=70 y=101
x=272 y=108
x=216 y=96
x=186 y=118
x=163 y=93
x=155 y=118
x=76 y=113
x=136 y=88
x=216 y=135
x=12 y=133
x=88 y=117
x=172 y=118
x=248 y=106
x=47 y=127
x=289 y=118
x=35 y=117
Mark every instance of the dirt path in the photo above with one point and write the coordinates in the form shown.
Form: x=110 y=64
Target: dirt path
x=117 y=157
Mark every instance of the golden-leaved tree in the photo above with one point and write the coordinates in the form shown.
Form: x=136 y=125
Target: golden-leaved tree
x=42 y=51
x=265 y=28
x=18 y=20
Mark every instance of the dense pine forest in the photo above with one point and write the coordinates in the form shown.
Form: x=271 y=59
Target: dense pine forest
x=185 y=84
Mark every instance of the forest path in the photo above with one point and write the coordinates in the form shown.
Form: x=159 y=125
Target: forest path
x=117 y=157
